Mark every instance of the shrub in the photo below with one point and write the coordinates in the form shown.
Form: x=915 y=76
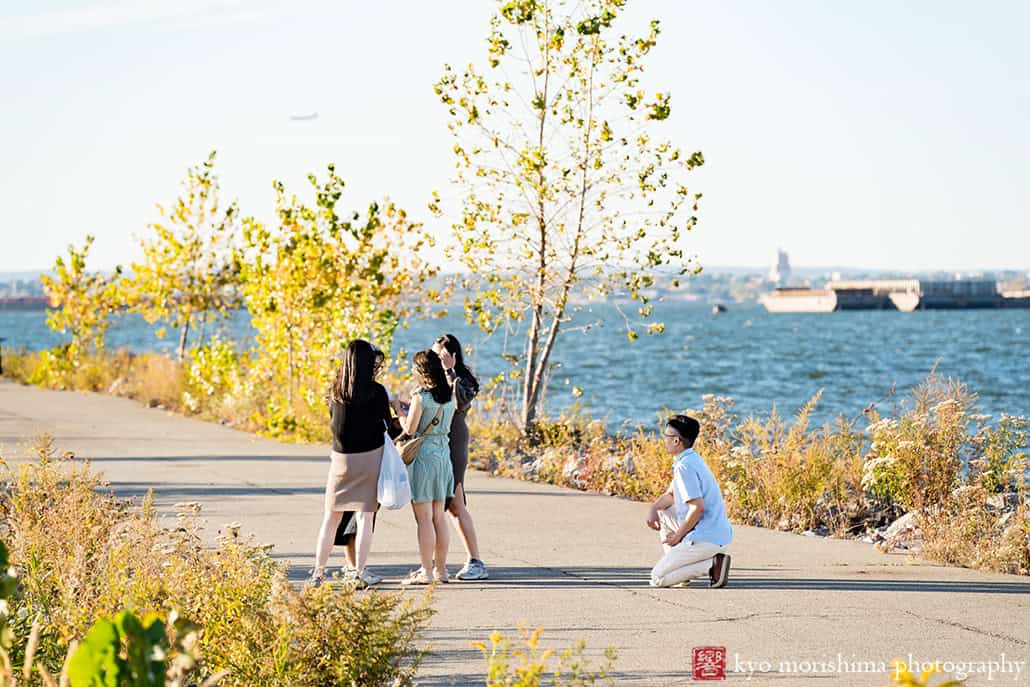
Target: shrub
x=213 y=378
x=917 y=457
x=337 y=636
x=83 y=555
x=127 y=651
x=969 y=531
x=902 y=677
x=509 y=665
x=790 y=477
x=152 y=378
x=20 y=365
x=772 y=474
x=964 y=476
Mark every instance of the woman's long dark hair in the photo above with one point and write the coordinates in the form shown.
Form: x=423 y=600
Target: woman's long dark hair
x=356 y=375
x=450 y=342
x=430 y=376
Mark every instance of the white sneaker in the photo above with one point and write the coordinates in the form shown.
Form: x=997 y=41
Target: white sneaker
x=475 y=569
x=417 y=578
x=366 y=579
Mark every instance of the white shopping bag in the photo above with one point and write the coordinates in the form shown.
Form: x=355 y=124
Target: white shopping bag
x=394 y=488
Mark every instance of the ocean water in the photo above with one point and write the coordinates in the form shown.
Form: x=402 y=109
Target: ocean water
x=760 y=359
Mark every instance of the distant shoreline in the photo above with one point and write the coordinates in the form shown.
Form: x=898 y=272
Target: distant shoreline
x=25 y=303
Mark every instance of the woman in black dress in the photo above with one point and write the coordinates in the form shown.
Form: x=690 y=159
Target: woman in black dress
x=466 y=386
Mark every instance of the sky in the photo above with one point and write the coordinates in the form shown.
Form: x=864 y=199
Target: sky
x=877 y=134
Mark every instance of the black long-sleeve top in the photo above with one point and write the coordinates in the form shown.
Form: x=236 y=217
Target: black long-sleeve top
x=358 y=427
x=465 y=390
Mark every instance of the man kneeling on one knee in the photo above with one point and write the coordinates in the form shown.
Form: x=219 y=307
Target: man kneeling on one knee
x=691 y=516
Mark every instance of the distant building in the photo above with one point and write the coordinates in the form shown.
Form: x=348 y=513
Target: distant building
x=780 y=273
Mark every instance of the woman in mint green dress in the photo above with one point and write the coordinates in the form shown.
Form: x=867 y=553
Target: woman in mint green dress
x=431 y=474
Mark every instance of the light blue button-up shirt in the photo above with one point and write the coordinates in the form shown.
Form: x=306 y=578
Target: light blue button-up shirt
x=693 y=479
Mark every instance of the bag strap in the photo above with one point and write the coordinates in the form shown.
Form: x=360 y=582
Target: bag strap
x=436 y=421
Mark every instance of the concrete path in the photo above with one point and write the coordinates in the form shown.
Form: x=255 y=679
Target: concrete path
x=798 y=610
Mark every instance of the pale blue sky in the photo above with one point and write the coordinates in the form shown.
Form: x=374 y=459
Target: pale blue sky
x=880 y=133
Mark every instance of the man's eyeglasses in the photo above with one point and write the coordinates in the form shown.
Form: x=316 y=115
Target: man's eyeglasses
x=670 y=436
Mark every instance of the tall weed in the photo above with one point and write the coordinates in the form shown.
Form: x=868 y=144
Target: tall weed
x=83 y=555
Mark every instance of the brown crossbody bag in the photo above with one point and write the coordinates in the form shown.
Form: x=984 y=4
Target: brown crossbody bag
x=409 y=449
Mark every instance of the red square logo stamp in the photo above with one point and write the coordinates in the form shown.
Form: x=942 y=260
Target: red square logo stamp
x=709 y=662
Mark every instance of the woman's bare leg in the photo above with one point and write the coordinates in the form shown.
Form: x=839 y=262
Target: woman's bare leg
x=443 y=536
x=463 y=520
x=426 y=534
x=326 y=535
x=363 y=538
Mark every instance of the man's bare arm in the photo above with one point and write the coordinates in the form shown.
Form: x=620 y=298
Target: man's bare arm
x=696 y=510
x=661 y=503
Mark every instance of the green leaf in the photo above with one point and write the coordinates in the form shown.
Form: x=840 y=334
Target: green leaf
x=95 y=662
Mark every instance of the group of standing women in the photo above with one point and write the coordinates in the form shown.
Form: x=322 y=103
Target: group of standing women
x=360 y=412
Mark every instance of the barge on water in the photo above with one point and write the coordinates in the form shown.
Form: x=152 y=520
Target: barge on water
x=24 y=303
x=895 y=294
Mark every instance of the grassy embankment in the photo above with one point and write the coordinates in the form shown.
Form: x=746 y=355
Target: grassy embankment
x=961 y=475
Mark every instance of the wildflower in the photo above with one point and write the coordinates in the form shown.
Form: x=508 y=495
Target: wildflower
x=884 y=425
x=873 y=470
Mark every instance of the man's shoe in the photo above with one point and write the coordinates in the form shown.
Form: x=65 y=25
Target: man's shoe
x=473 y=570
x=719 y=573
x=441 y=576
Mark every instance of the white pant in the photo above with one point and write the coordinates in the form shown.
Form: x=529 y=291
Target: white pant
x=686 y=560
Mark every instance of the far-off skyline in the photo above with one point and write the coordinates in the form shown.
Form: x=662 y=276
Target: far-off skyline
x=874 y=135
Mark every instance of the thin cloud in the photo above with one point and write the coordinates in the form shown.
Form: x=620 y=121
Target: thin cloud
x=237 y=18
x=104 y=15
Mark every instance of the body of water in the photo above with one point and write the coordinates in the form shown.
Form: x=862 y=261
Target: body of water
x=760 y=359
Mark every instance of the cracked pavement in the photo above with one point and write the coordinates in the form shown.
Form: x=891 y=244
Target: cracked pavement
x=797 y=608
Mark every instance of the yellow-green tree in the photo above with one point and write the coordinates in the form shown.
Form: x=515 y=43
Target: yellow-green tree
x=566 y=186
x=187 y=273
x=315 y=279
x=81 y=301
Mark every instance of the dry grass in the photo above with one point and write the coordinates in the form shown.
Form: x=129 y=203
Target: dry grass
x=785 y=474
x=790 y=476
x=82 y=555
x=773 y=474
x=775 y=471
x=969 y=532
x=150 y=378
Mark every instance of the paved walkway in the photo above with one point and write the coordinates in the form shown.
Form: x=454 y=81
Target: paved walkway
x=798 y=610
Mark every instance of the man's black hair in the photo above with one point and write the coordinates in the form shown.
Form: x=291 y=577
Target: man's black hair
x=687 y=427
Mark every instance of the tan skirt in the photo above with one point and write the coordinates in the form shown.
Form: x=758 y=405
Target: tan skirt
x=353 y=481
